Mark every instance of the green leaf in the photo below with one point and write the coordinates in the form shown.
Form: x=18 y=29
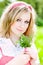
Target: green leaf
x=25 y=41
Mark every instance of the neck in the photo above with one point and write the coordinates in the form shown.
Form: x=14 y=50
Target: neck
x=14 y=38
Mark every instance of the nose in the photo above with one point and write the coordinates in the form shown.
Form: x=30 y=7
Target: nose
x=22 y=24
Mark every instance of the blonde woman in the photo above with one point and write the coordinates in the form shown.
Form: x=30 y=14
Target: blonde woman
x=17 y=19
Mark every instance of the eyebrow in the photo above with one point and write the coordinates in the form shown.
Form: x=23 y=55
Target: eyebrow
x=19 y=18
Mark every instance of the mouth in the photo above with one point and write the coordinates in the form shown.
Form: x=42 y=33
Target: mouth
x=19 y=29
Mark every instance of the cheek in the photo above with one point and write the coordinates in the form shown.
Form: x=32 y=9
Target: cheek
x=26 y=26
x=14 y=25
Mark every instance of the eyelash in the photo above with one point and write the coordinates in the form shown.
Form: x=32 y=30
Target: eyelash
x=26 y=22
x=20 y=20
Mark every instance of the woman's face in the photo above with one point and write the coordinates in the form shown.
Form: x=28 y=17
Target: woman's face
x=21 y=23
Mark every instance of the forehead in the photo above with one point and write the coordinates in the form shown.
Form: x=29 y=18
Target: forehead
x=23 y=14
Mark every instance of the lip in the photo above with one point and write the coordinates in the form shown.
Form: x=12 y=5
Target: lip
x=19 y=29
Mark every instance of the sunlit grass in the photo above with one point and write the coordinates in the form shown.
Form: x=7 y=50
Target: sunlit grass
x=39 y=43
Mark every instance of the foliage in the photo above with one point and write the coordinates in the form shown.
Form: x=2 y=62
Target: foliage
x=3 y=4
x=39 y=21
x=39 y=43
x=25 y=41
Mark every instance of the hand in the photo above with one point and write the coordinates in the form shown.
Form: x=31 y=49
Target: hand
x=32 y=51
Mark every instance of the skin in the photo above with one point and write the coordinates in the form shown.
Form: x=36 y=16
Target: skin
x=21 y=59
x=19 y=26
x=21 y=23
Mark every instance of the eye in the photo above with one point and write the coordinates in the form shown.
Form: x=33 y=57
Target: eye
x=26 y=21
x=18 y=20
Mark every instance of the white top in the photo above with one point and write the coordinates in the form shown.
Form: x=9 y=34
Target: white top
x=9 y=49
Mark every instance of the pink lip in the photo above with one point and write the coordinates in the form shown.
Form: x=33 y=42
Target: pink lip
x=19 y=29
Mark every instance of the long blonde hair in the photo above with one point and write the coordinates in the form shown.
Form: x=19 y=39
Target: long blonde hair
x=10 y=14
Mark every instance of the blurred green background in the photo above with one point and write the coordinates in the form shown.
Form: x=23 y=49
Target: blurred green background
x=38 y=6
